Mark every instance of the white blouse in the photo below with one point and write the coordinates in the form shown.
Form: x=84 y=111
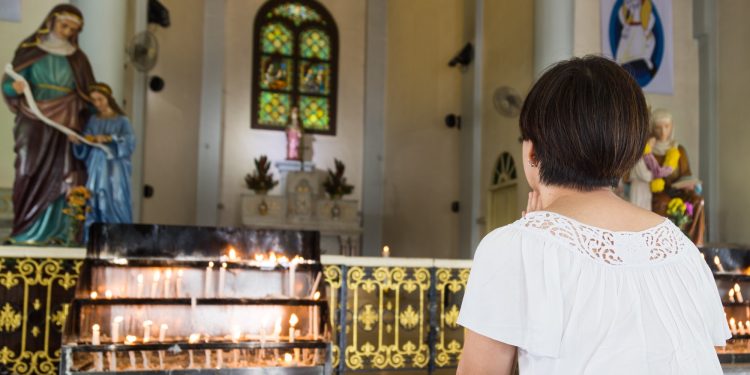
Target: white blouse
x=577 y=299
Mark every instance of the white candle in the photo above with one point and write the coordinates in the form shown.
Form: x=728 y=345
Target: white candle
x=386 y=252
x=207 y=360
x=292 y=276
x=155 y=284
x=147 y=331
x=116 y=329
x=162 y=332
x=112 y=361
x=130 y=340
x=263 y=325
x=222 y=276
x=292 y=323
x=139 y=286
x=207 y=286
x=219 y=358
x=315 y=323
x=731 y=295
x=315 y=285
x=178 y=284
x=732 y=326
x=738 y=293
x=717 y=262
x=194 y=337
x=277 y=330
x=167 y=283
x=741 y=328
x=236 y=334
x=96 y=340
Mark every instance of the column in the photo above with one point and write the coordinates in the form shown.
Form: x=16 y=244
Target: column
x=553 y=32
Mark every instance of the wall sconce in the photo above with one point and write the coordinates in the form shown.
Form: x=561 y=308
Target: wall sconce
x=453 y=121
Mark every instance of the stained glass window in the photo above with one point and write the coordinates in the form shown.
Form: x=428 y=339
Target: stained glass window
x=295 y=61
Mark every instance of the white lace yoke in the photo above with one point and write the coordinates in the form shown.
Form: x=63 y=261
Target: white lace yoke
x=577 y=299
x=655 y=244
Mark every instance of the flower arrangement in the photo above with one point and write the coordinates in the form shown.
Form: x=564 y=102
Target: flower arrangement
x=671 y=160
x=335 y=184
x=680 y=212
x=76 y=208
x=261 y=181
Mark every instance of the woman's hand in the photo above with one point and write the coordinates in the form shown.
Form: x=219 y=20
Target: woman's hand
x=19 y=86
x=534 y=203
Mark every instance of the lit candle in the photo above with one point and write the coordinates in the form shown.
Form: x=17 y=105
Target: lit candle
x=116 y=329
x=130 y=340
x=292 y=276
x=717 y=262
x=207 y=287
x=232 y=254
x=194 y=337
x=287 y=359
x=277 y=330
x=732 y=326
x=235 y=339
x=222 y=277
x=207 y=360
x=108 y=294
x=94 y=295
x=315 y=323
x=738 y=293
x=263 y=325
x=95 y=340
x=731 y=295
x=316 y=283
x=155 y=283
x=386 y=252
x=167 y=283
x=147 y=331
x=112 y=361
x=292 y=322
x=178 y=284
x=139 y=286
x=741 y=328
x=162 y=332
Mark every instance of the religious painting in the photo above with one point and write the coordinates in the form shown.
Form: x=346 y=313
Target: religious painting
x=295 y=64
x=637 y=34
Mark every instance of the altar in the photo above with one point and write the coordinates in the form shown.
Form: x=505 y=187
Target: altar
x=303 y=205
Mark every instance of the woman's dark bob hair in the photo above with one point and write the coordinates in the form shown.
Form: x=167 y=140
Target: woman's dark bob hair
x=588 y=121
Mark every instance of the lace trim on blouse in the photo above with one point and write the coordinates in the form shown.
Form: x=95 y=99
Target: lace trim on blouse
x=615 y=248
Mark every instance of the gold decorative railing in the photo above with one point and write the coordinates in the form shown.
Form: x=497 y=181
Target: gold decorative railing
x=386 y=314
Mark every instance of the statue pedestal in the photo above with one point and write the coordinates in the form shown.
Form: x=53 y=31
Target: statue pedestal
x=304 y=206
x=286 y=166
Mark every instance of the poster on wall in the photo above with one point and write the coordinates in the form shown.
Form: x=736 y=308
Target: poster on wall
x=10 y=10
x=637 y=34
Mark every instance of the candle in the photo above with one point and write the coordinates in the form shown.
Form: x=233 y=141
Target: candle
x=147 y=331
x=236 y=334
x=207 y=360
x=731 y=295
x=315 y=285
x=108 y=294
x=741 y=328
x=717 y=262
x=315 y=323
x=263 y=325
x=139 y=288
x=287 y=359
x=232 y=254
x=130 y=340
x=194 y=337
x=207 y=287
x=732 y=326
x=116 y=329
x=219 y=358
x=222 y=277
x=162 y=332
x=94 y=295
x=167 y=282
x=292 y=274
x=155 y=284
x=178 y=284
x=112 y=361
x=277 y=330
x=96 y=340
x=386 y=252
x=738 y=293
x=292 y=322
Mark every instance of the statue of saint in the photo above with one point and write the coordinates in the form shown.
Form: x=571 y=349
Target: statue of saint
x=294 y=137
x=680 y=183
x=59 y=75
x=108 y=178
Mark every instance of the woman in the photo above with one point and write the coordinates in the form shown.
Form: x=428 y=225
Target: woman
x=679 y=183
x=585 y=282
x=109 y=179
x=59 y=74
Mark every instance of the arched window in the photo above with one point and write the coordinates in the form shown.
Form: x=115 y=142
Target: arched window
x=505 y=169
x=295 y=64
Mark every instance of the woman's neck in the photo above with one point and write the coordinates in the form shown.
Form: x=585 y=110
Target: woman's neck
x=555 y=196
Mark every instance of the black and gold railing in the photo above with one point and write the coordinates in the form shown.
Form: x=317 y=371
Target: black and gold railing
x=386 y=313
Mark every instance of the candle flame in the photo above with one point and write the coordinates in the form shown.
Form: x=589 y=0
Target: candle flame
x=140 y=278
x=737 y=288
x=236 y=334
x=179 y=273
x=108 y=294
x=316 y=296
x=287 y=358
x=259 y=257
x=284 y=259
x=168 y=274
x=272 y=257
x=731 y=321
x=232 y=253
x=717 y=261
x=94 y=295
x=130 y=339
x=210 y=264
x=293 y=320
x=157 y=275
x=224 y=265
x=95 y=327
x=194 y=337
x=118 y=319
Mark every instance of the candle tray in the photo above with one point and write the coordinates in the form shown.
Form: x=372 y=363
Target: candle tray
x=188 y=300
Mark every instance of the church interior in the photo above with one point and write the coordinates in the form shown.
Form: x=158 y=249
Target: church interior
x=333 y=160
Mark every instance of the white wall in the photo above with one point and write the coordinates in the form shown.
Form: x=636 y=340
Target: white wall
x=684 y=102
x=32 y=15
x=243 y=144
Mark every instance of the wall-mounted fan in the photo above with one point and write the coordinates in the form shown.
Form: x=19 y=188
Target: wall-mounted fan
x=143 y=51
x=507 y=101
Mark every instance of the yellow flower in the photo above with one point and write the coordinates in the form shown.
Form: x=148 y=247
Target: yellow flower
x=676 y=205
x=76 y=201
x=80 y=217
x=647 y=149
x=66 y=211
x=672 y=158
x=657 y=185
